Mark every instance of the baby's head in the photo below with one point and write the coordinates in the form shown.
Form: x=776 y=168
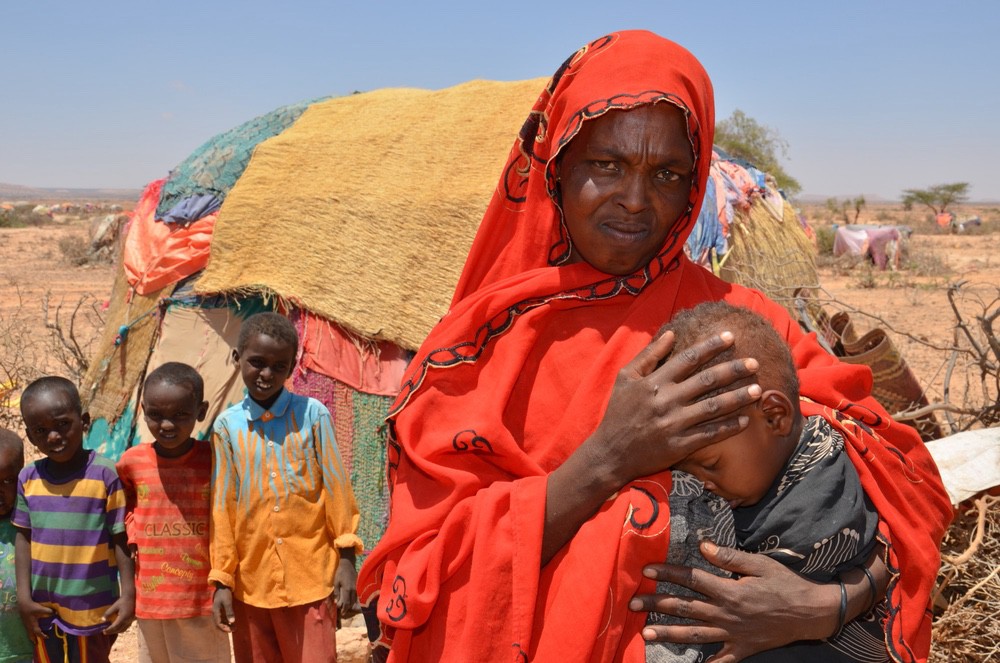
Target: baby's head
x=743 y=467
x=265 y=352
x=54 y=419
x=11 y=462
x=172 y=404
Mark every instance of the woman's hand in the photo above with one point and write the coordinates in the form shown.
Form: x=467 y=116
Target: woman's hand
x=653 y=420
x=769 y=606
x=657 y=416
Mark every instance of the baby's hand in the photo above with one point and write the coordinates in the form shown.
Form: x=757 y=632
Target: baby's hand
x=222 y=609
x=31 y=612
x=124 y=611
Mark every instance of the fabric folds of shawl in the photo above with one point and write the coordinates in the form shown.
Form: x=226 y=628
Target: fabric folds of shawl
x=457 y=575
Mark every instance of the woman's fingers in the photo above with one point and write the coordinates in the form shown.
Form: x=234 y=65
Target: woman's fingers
x=645 y=362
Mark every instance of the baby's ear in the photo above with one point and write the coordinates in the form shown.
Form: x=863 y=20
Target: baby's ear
x=202 y=410
x=85 y=418
x=778 y=411
x=236 y=356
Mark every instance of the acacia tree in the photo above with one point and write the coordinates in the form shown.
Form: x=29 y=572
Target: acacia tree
x=843 y=208
x=743 y=137
x=937 y=197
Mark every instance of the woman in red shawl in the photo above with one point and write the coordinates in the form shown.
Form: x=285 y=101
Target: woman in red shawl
x=529 y=462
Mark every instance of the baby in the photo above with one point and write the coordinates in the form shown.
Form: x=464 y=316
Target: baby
x=792 y=492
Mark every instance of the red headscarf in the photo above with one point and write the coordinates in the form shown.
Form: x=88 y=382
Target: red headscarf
x=518 y=374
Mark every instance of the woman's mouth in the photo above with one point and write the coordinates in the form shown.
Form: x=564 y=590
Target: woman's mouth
x=626 y=232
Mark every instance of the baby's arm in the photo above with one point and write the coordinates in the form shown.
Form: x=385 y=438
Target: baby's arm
x=31 y=612
x=124 y=608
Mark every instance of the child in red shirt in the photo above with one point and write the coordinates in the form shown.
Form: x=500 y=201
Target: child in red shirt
x=166 y=485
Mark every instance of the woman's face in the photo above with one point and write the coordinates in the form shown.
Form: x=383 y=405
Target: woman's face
x=625 y=180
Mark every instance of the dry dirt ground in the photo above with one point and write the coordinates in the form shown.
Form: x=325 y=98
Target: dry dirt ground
x=911 y=302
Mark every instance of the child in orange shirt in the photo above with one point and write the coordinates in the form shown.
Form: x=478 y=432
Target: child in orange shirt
x=284 y=519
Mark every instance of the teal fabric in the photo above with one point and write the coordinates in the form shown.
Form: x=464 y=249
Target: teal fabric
x=214 y=167
x=15 y=647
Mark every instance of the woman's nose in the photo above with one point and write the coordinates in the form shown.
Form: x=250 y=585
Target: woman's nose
x=634 y=192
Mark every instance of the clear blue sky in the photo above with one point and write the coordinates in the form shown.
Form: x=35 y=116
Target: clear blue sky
x=872 y=97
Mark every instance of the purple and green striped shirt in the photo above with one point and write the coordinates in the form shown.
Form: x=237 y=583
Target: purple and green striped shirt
x=72 y=522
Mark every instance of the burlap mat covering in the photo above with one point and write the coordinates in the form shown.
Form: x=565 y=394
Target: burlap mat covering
x=770 y=253
x=112 y=377
x=363 y=211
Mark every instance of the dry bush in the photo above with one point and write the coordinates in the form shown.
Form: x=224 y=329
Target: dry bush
x=73 y=330
x=967 y=624
x=75 y=250
x=64 y=344
x=19 y=361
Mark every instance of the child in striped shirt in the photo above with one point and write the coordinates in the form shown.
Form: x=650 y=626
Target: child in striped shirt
x=167 y=492
x=70 y=543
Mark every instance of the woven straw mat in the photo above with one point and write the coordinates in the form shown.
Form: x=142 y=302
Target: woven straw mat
x=363 y=211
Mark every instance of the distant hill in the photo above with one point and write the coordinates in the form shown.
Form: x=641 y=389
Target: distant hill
x=17 y=192
x=819 y=199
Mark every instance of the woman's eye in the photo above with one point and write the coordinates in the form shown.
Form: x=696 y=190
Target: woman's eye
x=604 y=165
x=668 y=176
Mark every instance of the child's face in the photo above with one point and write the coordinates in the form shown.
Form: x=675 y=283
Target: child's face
x=55 y=425
x=11 y=462
x=171 y=412
x=742 y=468
x=265 y=364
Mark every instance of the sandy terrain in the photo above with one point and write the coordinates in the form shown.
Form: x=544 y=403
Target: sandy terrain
x=911 y=302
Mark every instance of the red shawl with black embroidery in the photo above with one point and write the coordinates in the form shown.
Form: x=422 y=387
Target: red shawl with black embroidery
x=518 y=374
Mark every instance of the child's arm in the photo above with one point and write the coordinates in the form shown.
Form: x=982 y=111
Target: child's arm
x=124 y=608
x=128 y=486
x=222 y=538
x=31 y=612
x=342 y=515
x=345 y=582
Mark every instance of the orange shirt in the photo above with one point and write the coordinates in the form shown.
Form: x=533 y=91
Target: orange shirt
x=281 y=502
x=167 y=507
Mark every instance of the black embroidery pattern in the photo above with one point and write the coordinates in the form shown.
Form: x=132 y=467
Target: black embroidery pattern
x=653 y=514
x=396 y=609
x=467 y=440
x=520 y=656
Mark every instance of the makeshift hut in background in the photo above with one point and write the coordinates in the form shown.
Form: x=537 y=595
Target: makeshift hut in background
x=747 y=233
x=882 y=245
x=352 y=216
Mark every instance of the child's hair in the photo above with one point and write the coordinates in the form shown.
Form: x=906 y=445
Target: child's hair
x=49 y=384
x=11 y=440
x=754 y=337
x=274 y=325
x=180 y=374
